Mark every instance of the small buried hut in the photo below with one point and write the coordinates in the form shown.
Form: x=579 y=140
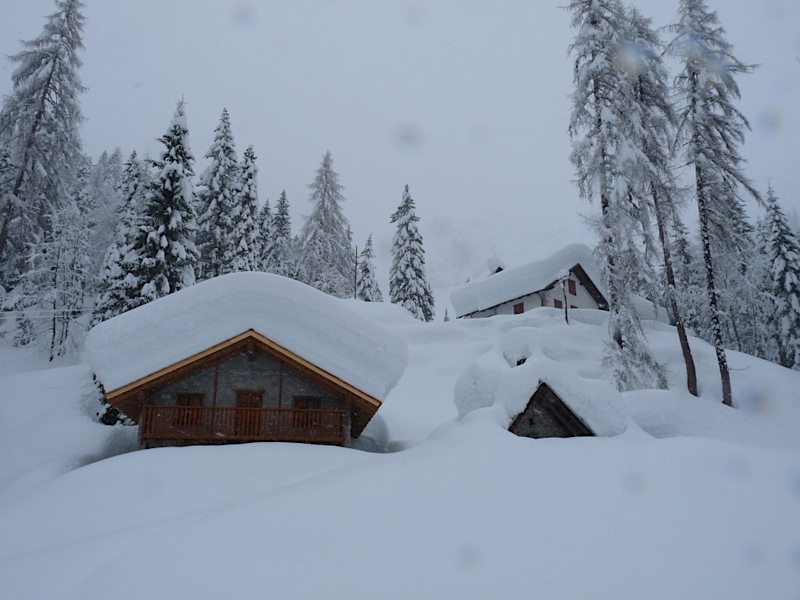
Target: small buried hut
x=547 y=415
x=536 y=395
x=246 y=357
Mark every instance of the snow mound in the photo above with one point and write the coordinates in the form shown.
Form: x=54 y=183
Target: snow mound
x=317 y=327
x=519 y=281
x=508 y=375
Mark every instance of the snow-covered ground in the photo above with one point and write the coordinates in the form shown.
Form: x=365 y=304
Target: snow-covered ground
x=693 y=500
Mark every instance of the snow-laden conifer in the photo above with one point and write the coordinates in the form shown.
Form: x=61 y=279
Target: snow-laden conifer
x=105 y=189
x=408 y=284
x=57 y=285
x=712 y=130
x=279 y=255
x=244 y=251
x=39 y=124
x=327 y=257
x=605 y=125
x=782 y=248
x=264 y=233
x=657 y=189
x=118 y=285
x=166 y=239
x=367 y=288
x=216 y=197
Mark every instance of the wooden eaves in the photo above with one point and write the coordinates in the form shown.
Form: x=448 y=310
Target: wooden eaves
x=130 y=398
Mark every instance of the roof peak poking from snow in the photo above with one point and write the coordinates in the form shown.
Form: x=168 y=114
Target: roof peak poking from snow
x=317 y=327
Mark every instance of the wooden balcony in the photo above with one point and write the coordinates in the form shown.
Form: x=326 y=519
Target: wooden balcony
x=162 y=425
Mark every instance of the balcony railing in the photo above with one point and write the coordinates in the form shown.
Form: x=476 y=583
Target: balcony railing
x=206 y=424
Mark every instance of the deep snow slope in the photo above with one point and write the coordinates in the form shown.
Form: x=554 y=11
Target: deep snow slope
x=694 y=500
x=472 y=512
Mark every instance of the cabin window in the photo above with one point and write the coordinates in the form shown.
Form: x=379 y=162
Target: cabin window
x=571 y=287
x=190 y=399
x=519 y=308
x=307 y=402
x=249 y=398
x=558 y=303
x=572 y=306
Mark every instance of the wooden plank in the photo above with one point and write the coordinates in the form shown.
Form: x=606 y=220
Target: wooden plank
x=218 y=424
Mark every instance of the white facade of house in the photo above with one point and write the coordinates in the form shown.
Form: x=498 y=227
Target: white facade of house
x=533 y=285
x=553 y=297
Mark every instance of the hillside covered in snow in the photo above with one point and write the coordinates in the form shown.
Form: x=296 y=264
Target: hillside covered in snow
x=682 y=498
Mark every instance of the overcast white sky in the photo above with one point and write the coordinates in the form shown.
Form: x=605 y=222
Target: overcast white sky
x=466 y=102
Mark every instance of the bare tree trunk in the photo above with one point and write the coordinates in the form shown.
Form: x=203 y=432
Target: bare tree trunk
x=713 y=299
x=686 y=350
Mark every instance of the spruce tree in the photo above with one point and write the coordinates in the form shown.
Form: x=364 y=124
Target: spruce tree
x=604 y=126
x=712 y=129
x=264 y=233
x=105 y=188
x=327 y=255
x=279 y=256
x=166 y=238
x=367 y=288
x=244 y=251
x=782 y=248
x=118 y=285
x=39 y=135
x=216 y=198
x=408 y=285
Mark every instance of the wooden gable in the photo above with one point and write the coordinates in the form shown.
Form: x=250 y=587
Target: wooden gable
x=587 y=283
x=546 y=415
x=131 y=398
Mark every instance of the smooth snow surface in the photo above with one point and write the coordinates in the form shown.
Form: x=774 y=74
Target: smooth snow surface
x=693 y=500
x=516 y=282
x=313 y=325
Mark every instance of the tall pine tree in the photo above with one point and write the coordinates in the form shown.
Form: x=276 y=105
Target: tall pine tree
x=609 y=165
x=367 y=288
x=217 y=197
x=782 y=248
x=712 y=129
x=244 y=251
x=119 y=286
x=39 y=135
x=279 y=255
x=408 y=285
x=327 y=258
x=166 y=238
x=655 y=139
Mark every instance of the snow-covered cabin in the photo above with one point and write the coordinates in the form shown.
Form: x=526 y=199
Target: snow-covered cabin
x=519 y=289
x=246 y=357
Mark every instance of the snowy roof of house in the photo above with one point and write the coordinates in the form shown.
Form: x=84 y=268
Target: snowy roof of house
x=508 y=375
x=318 y=328
x=510 y=284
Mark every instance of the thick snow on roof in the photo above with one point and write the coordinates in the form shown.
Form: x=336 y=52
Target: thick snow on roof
x=519 y=281
x=317 y=327
x=495 y=379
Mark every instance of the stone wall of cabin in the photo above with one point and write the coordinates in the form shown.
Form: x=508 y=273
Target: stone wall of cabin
x=242 y=373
